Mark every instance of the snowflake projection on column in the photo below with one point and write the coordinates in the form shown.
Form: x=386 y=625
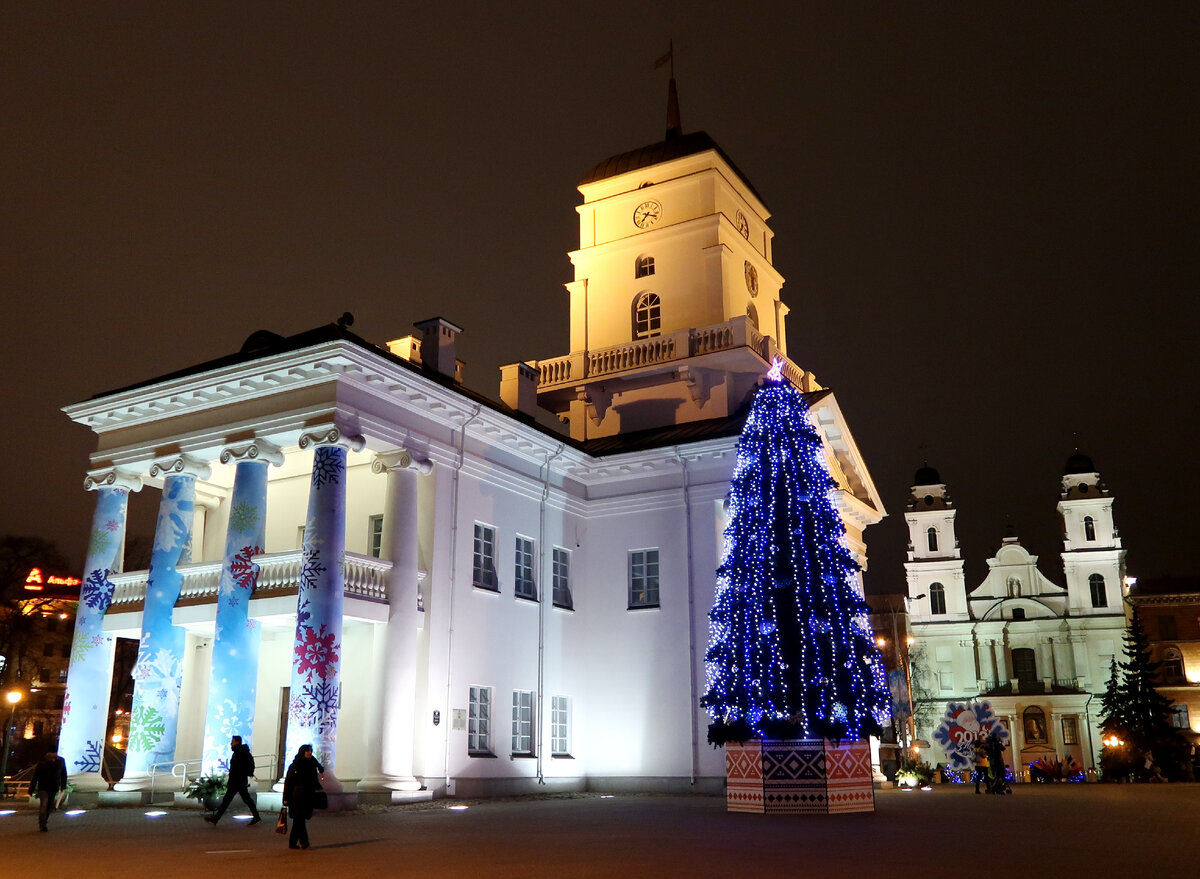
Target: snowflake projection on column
x=243 y=517
x=90 y=760
x=326 y=471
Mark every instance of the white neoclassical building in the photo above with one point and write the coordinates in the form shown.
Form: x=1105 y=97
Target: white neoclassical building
x=356 y=550
x=1039 y=652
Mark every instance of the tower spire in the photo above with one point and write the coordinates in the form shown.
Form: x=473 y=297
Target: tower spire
x=674 y=126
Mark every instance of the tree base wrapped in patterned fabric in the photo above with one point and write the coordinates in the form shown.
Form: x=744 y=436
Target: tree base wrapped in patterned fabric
x=798 y=776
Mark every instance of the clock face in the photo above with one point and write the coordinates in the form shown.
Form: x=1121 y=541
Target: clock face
x=743 y=225
x=647 y=214
x=751 y=279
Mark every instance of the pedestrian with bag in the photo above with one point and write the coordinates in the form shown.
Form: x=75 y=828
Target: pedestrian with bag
x=301 y=790
x=241 y=770
x=49 y=778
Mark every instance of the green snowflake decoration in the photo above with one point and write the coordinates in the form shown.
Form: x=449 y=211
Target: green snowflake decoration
x=146 y=728
x=100 y=542
x=243 y=517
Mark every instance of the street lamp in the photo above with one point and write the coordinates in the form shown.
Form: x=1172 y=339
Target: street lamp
x=13 y=697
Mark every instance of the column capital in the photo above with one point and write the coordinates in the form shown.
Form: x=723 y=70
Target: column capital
x=330 y=436
x=112 y=477
x=180 y=464
x=401 y=459
x=255 y=450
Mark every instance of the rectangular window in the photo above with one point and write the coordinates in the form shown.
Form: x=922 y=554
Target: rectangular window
x=560 y=726
x=523 y=585
x=1166 y=628
x=522 y=722
x=300 y=537
x=562 y=578
x=483 y=560
x=62 y=676
x=479 y=721
x=643 y=578
x=1070 y=731
x=64 y=650
x=47 y=649
x=1179 y=717
x=946 y=679
x=375 y=536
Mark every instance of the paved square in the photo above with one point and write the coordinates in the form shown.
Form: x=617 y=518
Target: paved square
x=1040 y=831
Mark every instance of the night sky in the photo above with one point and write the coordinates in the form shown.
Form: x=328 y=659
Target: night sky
x=986 y=213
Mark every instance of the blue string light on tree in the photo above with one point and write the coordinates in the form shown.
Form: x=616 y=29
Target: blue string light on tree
x=791 y=651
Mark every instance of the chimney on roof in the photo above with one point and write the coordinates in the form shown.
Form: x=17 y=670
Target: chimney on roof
x=518 y=388
x=437 y=345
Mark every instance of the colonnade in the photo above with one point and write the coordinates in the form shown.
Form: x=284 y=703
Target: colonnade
x=312 y=713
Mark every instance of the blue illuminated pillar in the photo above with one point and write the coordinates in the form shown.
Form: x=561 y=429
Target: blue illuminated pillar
x=316 y=660
x=89 y=679
x=158 y=672
x=233 y=683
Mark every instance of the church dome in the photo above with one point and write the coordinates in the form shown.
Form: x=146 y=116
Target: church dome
x=926 y=475
x=1079 y=463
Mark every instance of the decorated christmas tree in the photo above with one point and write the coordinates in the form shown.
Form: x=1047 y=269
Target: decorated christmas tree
x=791 y=651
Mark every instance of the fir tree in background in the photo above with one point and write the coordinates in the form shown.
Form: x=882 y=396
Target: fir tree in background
x=1137 y=715
x=791 y=650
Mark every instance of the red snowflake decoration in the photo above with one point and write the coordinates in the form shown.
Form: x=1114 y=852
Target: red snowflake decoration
x=317 y=652
x=244 y=571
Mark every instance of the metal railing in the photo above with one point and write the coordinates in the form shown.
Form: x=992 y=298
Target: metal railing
x=184 y=770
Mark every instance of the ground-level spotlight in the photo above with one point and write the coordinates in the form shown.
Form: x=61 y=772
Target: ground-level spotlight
x=4 y=812
x=242 y=817
x=458 y=808
x=157 y=813
x=75 y=812
x=926 y=788
x=606 y=796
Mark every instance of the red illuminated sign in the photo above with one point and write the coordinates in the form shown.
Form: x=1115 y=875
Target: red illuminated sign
x=36 y=581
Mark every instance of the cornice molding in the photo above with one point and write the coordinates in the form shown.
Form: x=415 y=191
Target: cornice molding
x=330 y=436
x=180 y=464
x=256 y=450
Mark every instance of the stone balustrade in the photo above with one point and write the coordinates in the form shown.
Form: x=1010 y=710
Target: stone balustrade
x=278 y=573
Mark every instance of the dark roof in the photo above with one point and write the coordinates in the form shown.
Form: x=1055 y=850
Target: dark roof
x=1079 y=463
x=926 y=475
x=1166 y=586
x=663 y=151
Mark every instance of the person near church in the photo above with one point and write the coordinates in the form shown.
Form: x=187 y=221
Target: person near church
x=49 y=778
x=300 y=787
x=241 y=770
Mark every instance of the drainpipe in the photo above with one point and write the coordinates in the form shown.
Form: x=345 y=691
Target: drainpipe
x=462 y=446
x=541 y=673
x=691 y=617
x=1087 y=718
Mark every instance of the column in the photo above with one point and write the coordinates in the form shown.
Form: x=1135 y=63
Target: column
x=1003 y=675
x=392 y=723
x=316 y=660
x=89 y=678
x=158 y=672
x=233 y=678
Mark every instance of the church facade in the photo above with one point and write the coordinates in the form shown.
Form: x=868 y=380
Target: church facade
x=1038 y=651
x=356 y=551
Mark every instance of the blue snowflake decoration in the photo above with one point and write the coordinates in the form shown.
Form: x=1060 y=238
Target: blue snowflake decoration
x=90 y=761
x=97 y=590
x=327 y=469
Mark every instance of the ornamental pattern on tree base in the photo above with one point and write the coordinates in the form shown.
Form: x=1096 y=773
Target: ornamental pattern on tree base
x=798 y=776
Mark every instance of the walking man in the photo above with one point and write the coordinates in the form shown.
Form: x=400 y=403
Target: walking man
x=48 y=779
x=241 y=770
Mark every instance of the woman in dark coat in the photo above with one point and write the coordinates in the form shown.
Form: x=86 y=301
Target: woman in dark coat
x=299 y=787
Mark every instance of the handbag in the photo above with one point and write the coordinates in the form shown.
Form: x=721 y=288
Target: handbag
x=320 y=799
x=281 y=822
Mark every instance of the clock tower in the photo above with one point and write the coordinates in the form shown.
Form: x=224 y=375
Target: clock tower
x=675 y=305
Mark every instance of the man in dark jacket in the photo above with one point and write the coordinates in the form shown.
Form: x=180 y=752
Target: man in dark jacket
x=49 y=778
x=241 y=770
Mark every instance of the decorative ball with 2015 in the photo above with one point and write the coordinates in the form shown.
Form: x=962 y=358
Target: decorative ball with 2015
x=963 y=728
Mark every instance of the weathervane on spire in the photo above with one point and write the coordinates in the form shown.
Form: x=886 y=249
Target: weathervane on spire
x=674 y=126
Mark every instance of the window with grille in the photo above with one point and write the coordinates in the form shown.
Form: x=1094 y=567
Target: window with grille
x=483 y=558
x=643 y=578
x=375 y=536
x=561 y=578
x=522 y=722
x=523 y=585
x=647 y=316
x=1099 y=598
x=479 y=721
x=644 y=267
x=1070 y=731
x=560 y=726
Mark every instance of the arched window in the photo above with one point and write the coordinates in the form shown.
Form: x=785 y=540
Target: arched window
x=931 y=536
x=752 y=313
x=1099 y=599
x=644 y=267
x=647 y=316
x=1035 y=726
x=1089 y=528
x=937 y=598
x=1170 y=669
